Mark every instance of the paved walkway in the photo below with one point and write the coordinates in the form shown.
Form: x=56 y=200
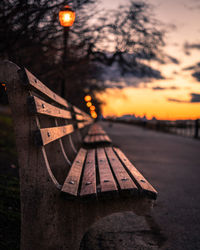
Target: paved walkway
x=172 y=164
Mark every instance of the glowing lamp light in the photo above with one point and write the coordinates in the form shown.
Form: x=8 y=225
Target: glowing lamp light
x=93 y=114
x=4 y=85
x=67 y=16
x=89 y=104
x=87 y=98
x=92 y=108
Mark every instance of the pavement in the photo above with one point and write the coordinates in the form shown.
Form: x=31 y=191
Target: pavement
x=171 y=163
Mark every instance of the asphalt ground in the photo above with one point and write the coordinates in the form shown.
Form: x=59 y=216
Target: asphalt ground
x=171 y=163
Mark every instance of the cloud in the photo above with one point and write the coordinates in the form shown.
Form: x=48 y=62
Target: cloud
x=113 y=77
x=194 y=98
x=196 y=70
x=158 y=88
x=193 y=5
x=176 y=100
x=165 y=88
x=173 y=59
x=190 y=46
x=189 y=68
x=164 y=59
x=196 y=75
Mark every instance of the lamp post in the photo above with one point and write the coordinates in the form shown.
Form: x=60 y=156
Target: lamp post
x=66 y=18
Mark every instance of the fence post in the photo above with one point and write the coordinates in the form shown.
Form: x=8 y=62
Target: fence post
x=196 y=129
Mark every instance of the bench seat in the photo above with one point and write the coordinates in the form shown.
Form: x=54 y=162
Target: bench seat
x=103 y=172
x=96 y=135
x=96 y=139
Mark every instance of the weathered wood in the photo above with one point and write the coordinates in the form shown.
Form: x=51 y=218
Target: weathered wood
x=29 y=79
x=141 y=182
x=38 y=106
x=107 y=138
x=47 y=135
x=91 y=139
x=72 y=181
x=48 y=221
x=124 y=180
x=62 y=148
x=77 y=110
x=79 y=117
x=83 y=124
x=88 y=187
x=80 y=125
x=86 y=139
x=96 y=129
x=107 y=182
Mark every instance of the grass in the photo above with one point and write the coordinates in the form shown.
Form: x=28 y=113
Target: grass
x=9 y=213
x=9 y=187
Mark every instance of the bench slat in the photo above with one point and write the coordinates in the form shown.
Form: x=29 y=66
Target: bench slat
x=81 y=125
x=77 y=110
x=47 y=135
x=37 y=84
x=72 y=181
x=124 y=180
x=41 y=107
x=107 y=138
x=79 y=117
x=96 y=129
x=86 y=139
x=96 y=139
x=107 y=181
x=138 y=177
x=88 y=187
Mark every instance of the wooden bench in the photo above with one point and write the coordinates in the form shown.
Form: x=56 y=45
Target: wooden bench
x=96 y=135
x=64 y=186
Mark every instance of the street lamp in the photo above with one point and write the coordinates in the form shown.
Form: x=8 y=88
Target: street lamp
x=66 y=18
x=87 y=98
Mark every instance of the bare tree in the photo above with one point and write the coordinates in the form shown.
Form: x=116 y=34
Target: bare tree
x=31 y=36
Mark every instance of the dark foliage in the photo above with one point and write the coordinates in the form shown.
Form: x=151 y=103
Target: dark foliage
x=31 y=36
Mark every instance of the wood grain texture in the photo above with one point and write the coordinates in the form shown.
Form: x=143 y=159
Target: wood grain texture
x=92 y=139
x=88 y=187
x=107 y=138
x=86 y=139
x=141 y=182
x=124 y=180
x=79 y=117
x=47 y=135
x=72 y=181
x=107 y=181
x=96 y=129
x=47 y=220
x=77 y=110
x=80 y=125
x=37 y=84
x=38 y=106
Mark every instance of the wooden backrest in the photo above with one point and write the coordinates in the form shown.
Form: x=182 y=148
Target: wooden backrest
x=58 y=125
x=44 y=102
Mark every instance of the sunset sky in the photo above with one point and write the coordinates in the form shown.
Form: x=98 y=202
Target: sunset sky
x=177 y=96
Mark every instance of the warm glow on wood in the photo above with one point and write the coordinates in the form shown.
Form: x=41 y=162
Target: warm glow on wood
x=87 y=98
x=67 y=16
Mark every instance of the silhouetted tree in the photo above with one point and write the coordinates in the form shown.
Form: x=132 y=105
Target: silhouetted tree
x=31 y=36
